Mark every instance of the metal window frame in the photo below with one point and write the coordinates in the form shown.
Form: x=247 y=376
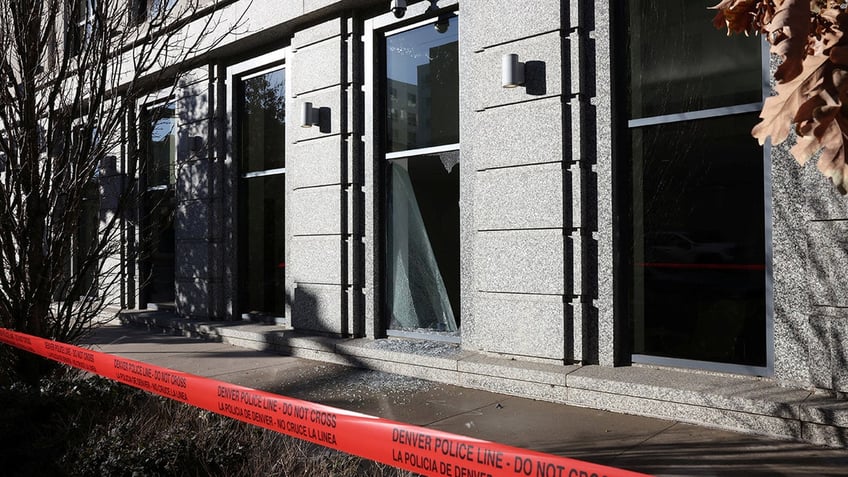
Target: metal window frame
x=235 y=73
x=266 y=173
x=768 y=369
x=87 y=20
x=154 y=101
x=377 y=29
x=694 y=115
x=387 y=32
x=245 y=70
x=253 y=73
x=143 y=113
x=76 y=125
x=424 y=151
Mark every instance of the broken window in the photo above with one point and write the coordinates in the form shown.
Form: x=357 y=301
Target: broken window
x=422 y=182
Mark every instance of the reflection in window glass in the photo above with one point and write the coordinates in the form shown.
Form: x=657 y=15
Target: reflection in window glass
x=80 y=264
x=262 y=235
x=82 y=30
x=85 y=265
x=161 y=8
x=157 y=264
x=422 y=266
x=261 y=116
x=262 y=121
x=159 y=246
x=162 y=146
x=422 y=79
x=679 y=62
x=698 y=239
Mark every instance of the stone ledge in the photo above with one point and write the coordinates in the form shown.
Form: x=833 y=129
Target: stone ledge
x=720 y=391
x=739 y=403
x=825 y=410
x=552 y=374
x=164 y=320
x=692 y=413
x=428 y=354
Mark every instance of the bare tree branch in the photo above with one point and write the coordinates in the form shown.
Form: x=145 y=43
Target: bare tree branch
x=72 y=75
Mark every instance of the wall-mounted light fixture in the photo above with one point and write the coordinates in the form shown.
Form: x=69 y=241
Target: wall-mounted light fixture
x=531 y=75
x=309 y=116
x=195 y=144
x=312 y=116
x=512 y=71
x=108 y=166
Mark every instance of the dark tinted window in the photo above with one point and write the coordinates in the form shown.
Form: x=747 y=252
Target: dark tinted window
x=699 y=256
x=679 y=62
x=261 y=116
x=162 y=146
x=262 y=236
x=698 y=288
x=262 y=122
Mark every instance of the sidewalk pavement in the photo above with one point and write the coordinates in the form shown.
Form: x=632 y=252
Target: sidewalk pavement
x=653 y=446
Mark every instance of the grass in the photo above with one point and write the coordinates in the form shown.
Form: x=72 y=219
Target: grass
x=92 y=426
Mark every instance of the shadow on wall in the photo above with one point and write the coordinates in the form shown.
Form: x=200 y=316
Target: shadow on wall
x=199 y=217
x=823 y=247
x=808 y=269
x=307 y=316
x=311 y=313
x=536 y=78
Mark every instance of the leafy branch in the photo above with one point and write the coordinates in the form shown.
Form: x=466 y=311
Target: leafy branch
x=812 y=79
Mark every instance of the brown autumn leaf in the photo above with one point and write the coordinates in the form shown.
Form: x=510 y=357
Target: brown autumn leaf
x=736 y=15
x=789 y=32
x=832 y=161
x=832 y=129
x=812 y=79
x=821 y=126
x=839 y=56
x=811 y=121
x=805 y=147
x=779 y=112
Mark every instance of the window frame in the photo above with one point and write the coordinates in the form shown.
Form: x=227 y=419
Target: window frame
x=142 y=11
x=236 y=73
x=149 y=116
x=82 y=25
x=625 y=223
x=146 y=117
x=74 y=263
x=376 y=30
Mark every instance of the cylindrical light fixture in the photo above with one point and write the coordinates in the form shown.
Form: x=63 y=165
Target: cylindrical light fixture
x=308 y=115
x=512 y=71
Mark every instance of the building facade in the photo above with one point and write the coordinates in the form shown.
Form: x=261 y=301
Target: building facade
x=602 y=232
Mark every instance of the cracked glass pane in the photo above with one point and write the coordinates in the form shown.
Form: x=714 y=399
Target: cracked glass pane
x=423 y=245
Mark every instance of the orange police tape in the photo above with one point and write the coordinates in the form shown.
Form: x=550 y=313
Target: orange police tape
x=421 y=450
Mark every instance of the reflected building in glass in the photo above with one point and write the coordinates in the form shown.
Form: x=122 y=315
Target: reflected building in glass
x=403 y=125
x=422 y=177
